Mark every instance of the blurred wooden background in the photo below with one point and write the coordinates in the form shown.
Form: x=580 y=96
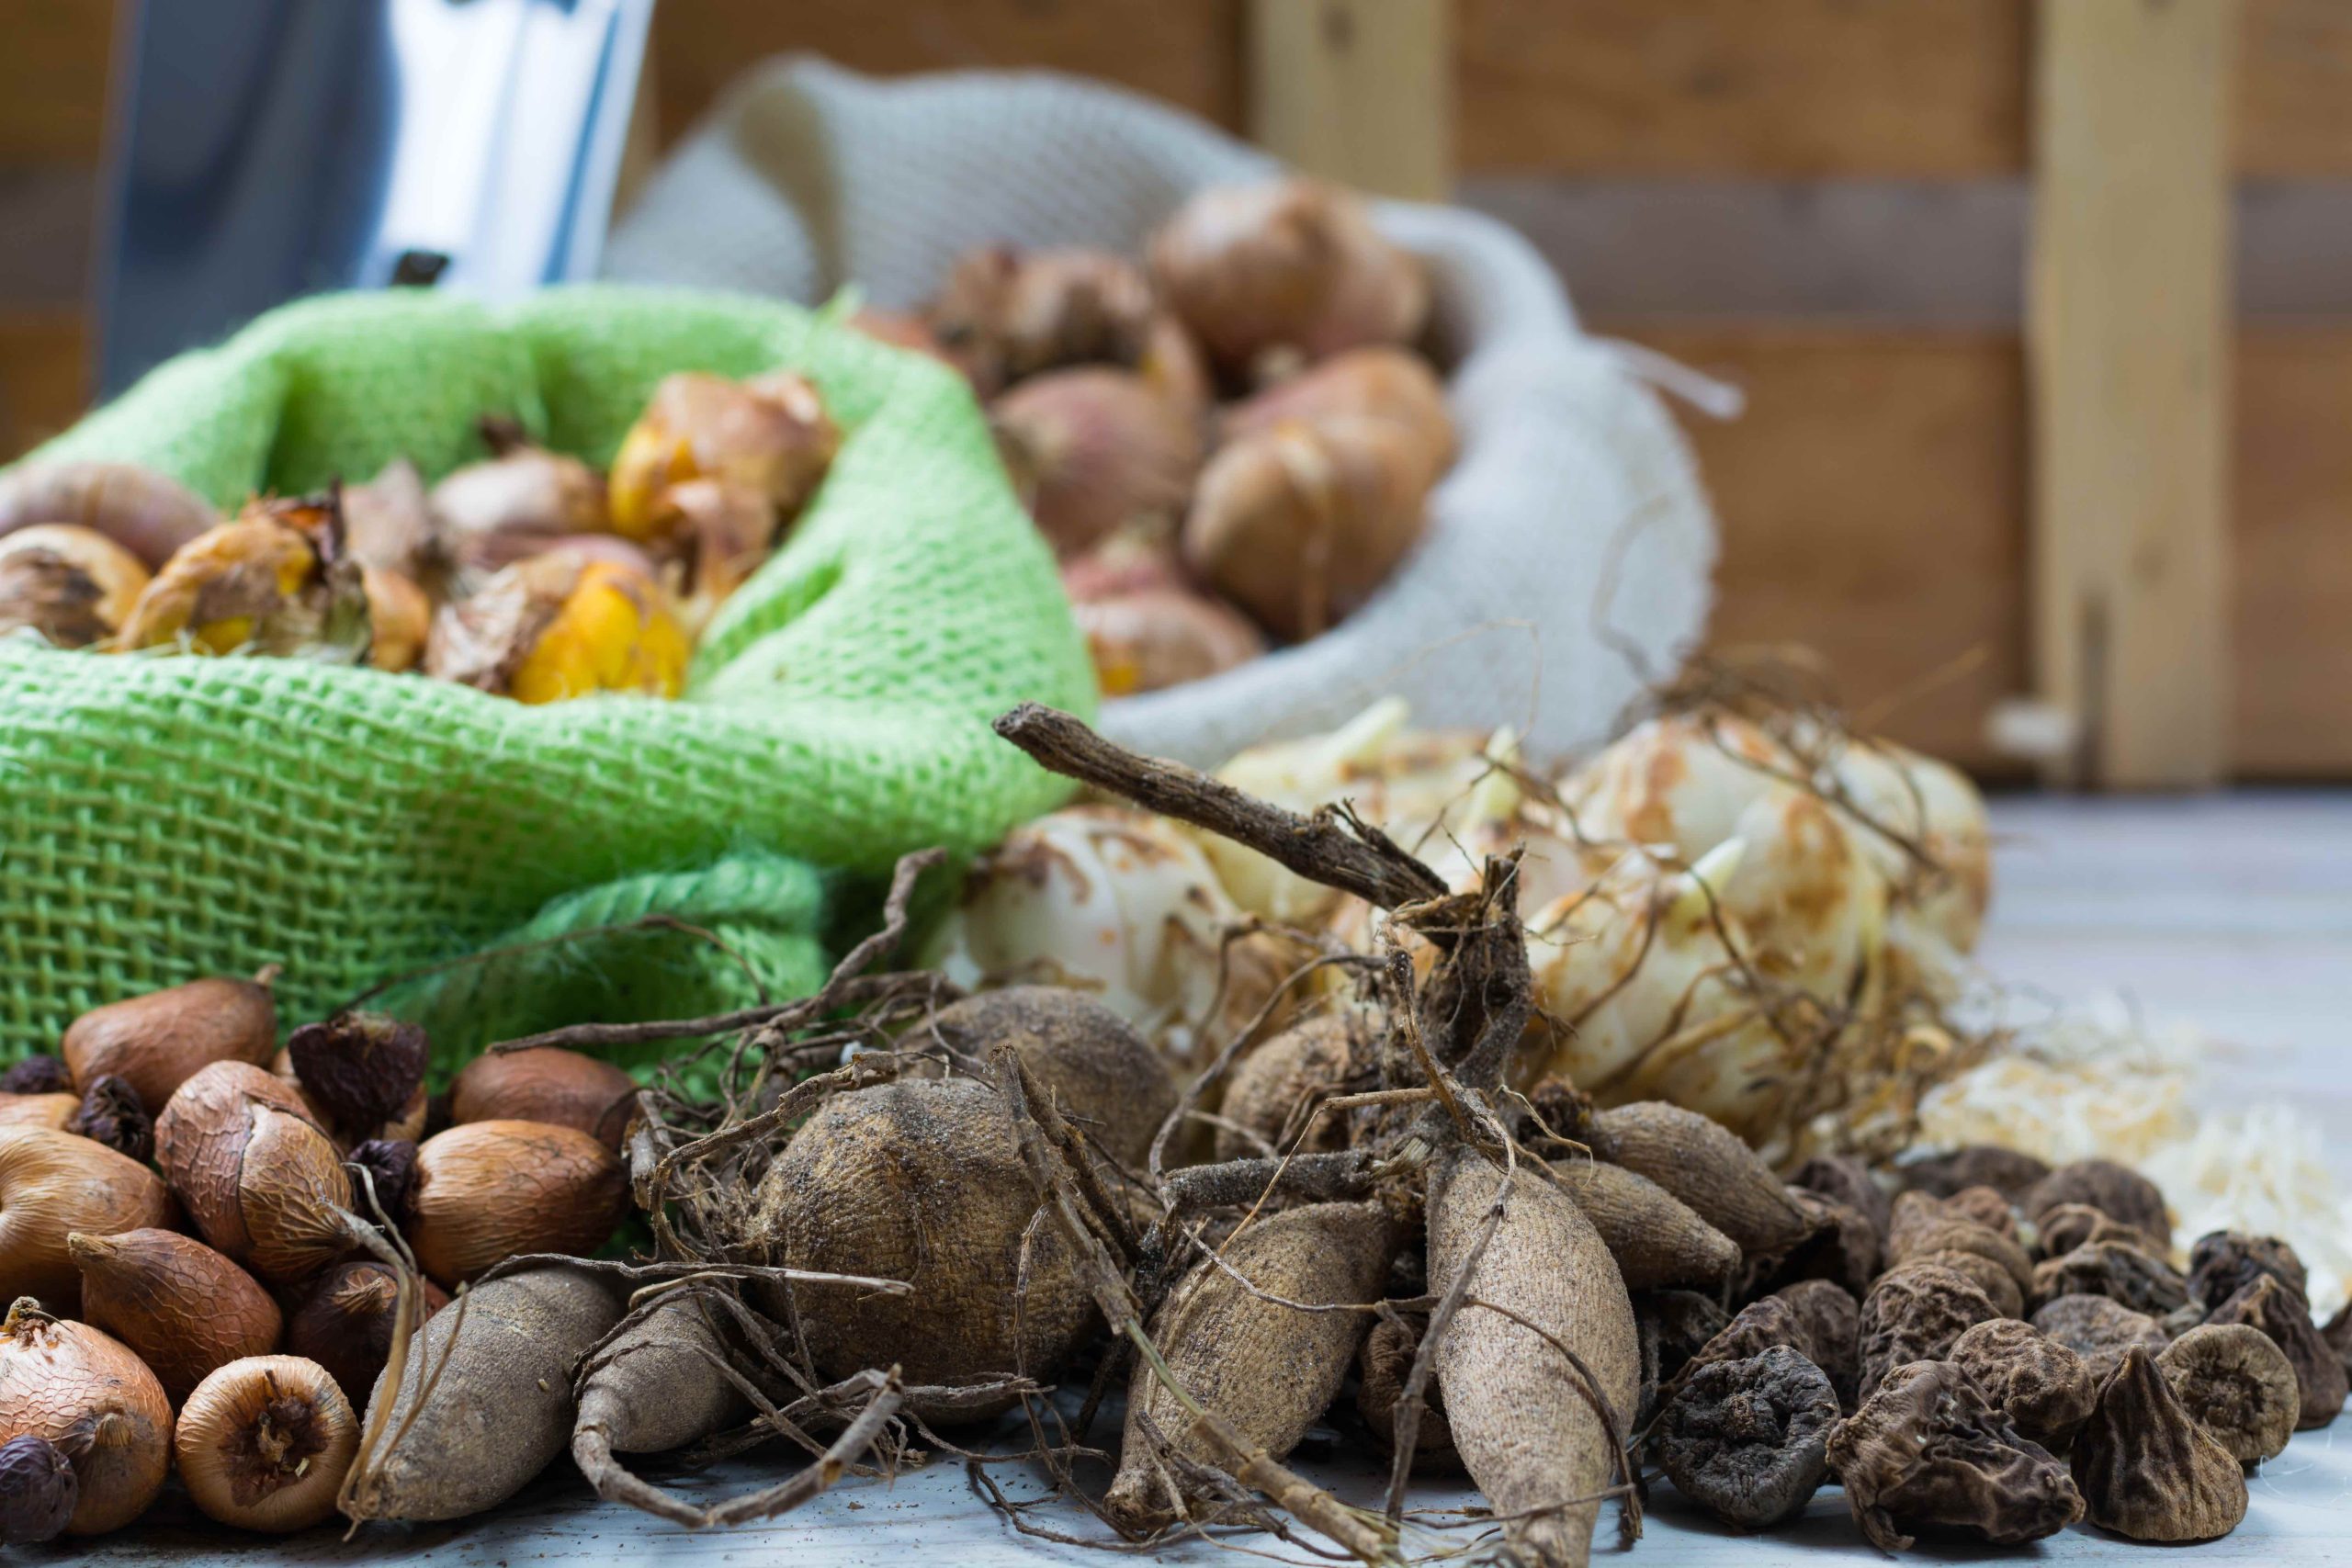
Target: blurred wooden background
x=1829 y=202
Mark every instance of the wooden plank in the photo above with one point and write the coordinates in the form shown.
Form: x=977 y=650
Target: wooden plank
x=44 y=377
x=1871 y=499
x=1188 y=54
x=2128 y=323
x=2294 y=104
x=1789 y=87
x=2291 y=588
x=54 y=57
x=1358 y=91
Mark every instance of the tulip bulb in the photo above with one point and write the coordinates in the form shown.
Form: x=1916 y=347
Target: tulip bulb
x=558 y=625
x=768 y=437
x=276 y=580
x=71 y=584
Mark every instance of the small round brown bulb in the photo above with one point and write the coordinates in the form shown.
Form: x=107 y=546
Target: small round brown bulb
x=264 y=1443
x=38 y=1489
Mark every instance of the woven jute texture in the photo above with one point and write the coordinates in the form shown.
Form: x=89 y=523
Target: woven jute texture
x=164 y=817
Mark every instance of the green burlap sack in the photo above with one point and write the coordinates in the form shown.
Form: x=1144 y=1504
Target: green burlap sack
x=165 y=818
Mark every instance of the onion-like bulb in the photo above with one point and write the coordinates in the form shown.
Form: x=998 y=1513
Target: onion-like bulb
x=487 y=1191
x=263 y=1182
x=71 y=584
x=1267 y=273
x=264 y=1443
x=84 y=1391
x=54 y=1183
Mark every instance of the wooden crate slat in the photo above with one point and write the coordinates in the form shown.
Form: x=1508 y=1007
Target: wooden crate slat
x=1358 y=91
x=2291 y=554
x=2127 y=332
x=1188 y=52
x=44 y=376
x=1871 y=500
x=1779 y=88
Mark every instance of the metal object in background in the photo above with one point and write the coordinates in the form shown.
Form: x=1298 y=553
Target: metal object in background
x=268 y=149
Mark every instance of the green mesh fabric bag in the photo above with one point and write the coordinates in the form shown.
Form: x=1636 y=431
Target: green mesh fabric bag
x=165 y=818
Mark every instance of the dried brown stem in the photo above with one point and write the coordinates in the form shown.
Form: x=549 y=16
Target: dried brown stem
x=1335 y=850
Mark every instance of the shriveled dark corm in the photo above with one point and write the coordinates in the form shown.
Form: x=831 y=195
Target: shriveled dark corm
x=2070 y=1225
x=1832 y=1323
x=2147 y=1470
x=2118 y=1191
x=38 y=1491
x=1998 y=1283
x=2042 y=1387
x=2007 y=1171
x=2117 y=1270
x=1671 y=1326
x=390 y=1167
x=1925 y=1225
x=1842 y=1178
x=2099 y=1329
x=1916 y=1313
x=2182 y=1318
x=40 y=1073
x=111 y=1114
x=360 y=1069
x=1986 y=1207
x=1928 y=1452
x=1844 y=1247
x=1757 y=1327
x=2222 y=1263
x=1748 y=1439
x=2277 y=1309
x=2238 y=1384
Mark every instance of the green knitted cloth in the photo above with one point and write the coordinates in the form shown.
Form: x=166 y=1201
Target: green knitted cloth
x=166 y=818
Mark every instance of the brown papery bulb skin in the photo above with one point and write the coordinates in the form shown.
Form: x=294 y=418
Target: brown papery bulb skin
x=1095 y=450
x=1394 y=384
x=548 y=1084
x=1162 y=638
x=183 y=1308
x=345 y=1323
x=1298 y=524
x=158 y=1042
x=516 y=504
x=52 y=1184
x=400 y=618
x=38 y=1491
x=1004 y=314
x=1284 y=270
x=71 y=584
x=264 y=1443
x=83 y=1390
x=769 y=435
x=1132 y=560
x=262 y=1181
x=150 y=514
x=488 y=1191
x=200 y=1138
x=51 y=1111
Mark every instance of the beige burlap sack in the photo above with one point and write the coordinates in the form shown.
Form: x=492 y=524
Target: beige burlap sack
x=1572 y=486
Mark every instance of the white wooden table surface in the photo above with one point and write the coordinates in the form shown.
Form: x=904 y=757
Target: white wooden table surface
x=2235 y=912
